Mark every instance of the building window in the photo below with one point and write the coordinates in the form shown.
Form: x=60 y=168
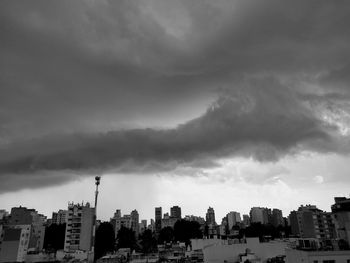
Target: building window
x=328 y=261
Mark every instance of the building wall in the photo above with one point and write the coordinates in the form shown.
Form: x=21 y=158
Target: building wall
x=221 y=252
x=15 y=243
x=87 y=223
x=300 y=256
x=341 y=215
x=308 y=226
x=342 y=225
x=198 y=244
x=293 y=220
x=1 y=234
x=21 y=216
x=9 y=251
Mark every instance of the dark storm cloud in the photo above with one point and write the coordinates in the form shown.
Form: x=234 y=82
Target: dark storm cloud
x=263 y=120
x=76 y=78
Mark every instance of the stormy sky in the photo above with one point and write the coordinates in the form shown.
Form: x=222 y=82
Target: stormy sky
x=194 y=103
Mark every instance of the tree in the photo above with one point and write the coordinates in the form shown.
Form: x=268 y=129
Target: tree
x=254 y=230
x=263 y=230
x=104 y=240
x=206 y=231
x=166 y=234
x=148 y=241
x=184 y=230
x=54 y=237
x=126 y=238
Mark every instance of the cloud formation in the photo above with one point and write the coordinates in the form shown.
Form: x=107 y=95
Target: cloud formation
x=148 y=86
x=261 y=120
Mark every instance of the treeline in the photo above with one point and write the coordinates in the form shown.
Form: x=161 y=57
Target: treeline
x=147 y=241
x=265 y=231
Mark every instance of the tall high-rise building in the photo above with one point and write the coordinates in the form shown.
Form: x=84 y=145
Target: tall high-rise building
x=277 y=218
x=168 y=221
x=259 y=215
x=117 y=213
x=233 y=218
x=341 y=213
x=143 y=225
x=60 y=217
x=210 y=216
x=311 y=222
x=119 y=221
x=198 y=219
x=175 y=212
x=158 y=219
x=135 y=221
x=152 y=225
x=79 y=227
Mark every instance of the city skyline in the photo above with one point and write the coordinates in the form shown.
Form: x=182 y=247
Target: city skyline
x=166 y=211
x=228 y=104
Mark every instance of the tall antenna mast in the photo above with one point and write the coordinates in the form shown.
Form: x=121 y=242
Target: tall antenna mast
x=97 y=183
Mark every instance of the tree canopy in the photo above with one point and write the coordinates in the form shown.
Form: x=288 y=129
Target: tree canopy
x=184 y=230
x=166 y=235
x=54 y=237
x=126 y=238
x=148 y=241
x=104 y=240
